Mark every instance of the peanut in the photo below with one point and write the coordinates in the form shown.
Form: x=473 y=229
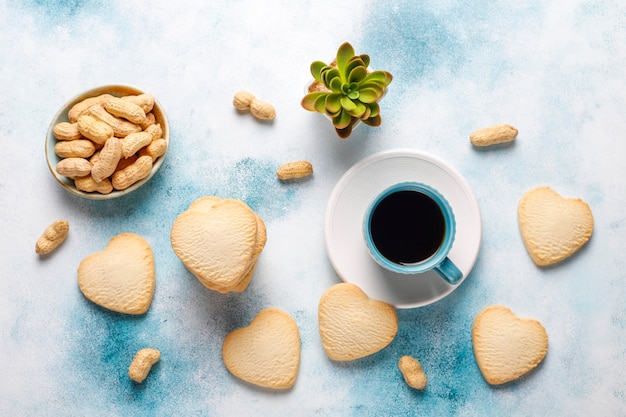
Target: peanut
x=121 y=127
x=142 y=364
x=52 y=237
x=149 y=121
x=94 y=129
x=133 y=173
x=262 y=110
x=66 y=131
x=293 y=170
x=94 y=158
x=126 y=110
x=156 y=149
x=73 y=167
x=242 y=100
x=155 y=130
x=135 y=141
x=493 y=135
x=413 y=373
x=145 y=101
x=89 y=185
x=78 y=108
x=79 y=148
x=107 y=159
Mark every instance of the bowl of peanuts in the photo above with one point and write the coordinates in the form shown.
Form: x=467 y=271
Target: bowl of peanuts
x=107 y=142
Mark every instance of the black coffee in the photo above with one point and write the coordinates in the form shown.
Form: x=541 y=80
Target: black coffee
x=407 y=227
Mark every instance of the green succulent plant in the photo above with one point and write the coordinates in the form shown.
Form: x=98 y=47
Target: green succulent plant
x=346 y=91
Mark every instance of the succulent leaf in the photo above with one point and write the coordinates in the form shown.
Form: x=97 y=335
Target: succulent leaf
x=369 y=95
x=333 y=103
x=320 y=103
x=353 y=95
x=358 y=111
x=353 y=63
x=335 y=114
x=347 y=103
x=366 y=59
x=357 y=74
x=336 y=85
x=308 y=102
x=316 y=70
x=375 y=109
x=344 y=53
x=375 y=85
x=368 y=112
x=373 y=121
x=342 y=120
x=328 y=75
x=379 y=76
x=345 y=132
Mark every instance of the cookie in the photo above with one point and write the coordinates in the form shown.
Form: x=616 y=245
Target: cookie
x=265 y=353
x=121 y=278
x=352 y=325
x=219 y=241
x=205 y=203
x=506 y=346
x=553 y=227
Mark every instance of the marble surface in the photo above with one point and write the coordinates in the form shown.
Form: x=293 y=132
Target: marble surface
x=554 y=69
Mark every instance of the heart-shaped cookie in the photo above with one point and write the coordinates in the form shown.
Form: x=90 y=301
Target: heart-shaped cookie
x=205 y=204
x=120 y=278
x=506 y=346
x=217 y=241
x=352 y=325
x=267 y=352
x=553 y=227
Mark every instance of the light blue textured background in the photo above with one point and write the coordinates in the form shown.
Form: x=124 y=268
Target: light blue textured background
x=554 y=69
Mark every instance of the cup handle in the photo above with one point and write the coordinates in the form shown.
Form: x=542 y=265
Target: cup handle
x=449 y=272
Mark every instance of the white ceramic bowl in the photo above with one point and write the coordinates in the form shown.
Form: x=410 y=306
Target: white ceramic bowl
x=115 y=90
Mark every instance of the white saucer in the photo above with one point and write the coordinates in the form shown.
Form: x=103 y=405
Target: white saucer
x=344 y=221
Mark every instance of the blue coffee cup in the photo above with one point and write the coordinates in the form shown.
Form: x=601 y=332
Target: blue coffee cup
x=409 y=228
